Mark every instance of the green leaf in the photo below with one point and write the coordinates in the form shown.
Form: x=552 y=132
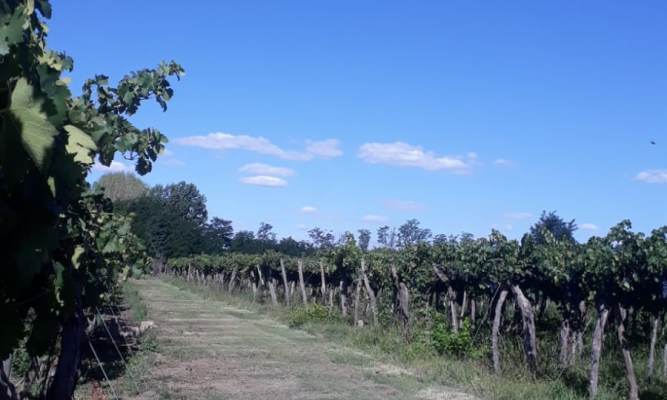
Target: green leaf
x=37 y=133
x=80 y=145
x=78 y=251
x=11 y=29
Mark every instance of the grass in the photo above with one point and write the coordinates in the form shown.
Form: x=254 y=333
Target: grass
x=130 y=376
x=472 y=374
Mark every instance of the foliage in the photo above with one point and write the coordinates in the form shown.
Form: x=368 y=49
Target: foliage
x=555 y=225
x=121 y=186
x=447 y=341
x=65 y=248
x=301 y=315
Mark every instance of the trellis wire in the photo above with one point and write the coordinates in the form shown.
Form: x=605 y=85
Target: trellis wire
x=104 y=373
x=127 y=369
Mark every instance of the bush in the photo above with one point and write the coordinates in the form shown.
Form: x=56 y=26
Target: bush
x=310 y=313
x=446 y=341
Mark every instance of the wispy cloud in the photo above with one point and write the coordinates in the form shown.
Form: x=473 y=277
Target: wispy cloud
x=261 y=145
x=168 y=157
x=308 y=209
x=519 y=215
x=265 y=169
x=264 y=180
x=503 y=162
x=115 y=166
x=404 y=205
x=406 y=155
x=653 y=176
x=588 y=227
x=374 y=219
x=328 y=148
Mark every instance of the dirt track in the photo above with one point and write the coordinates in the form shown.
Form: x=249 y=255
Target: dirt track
x=209 y=350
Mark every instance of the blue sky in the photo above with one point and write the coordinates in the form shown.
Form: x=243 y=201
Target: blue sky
x=465 y=115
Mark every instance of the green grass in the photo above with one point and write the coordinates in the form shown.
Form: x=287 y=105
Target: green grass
x=132 y=299
x=471 y=373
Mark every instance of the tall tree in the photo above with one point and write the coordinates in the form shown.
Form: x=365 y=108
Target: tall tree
x=185 y=199
x=410 y=234
x=364 y=239
x=121 y=186
x=553 y=223
x=321 y=239
x=386 y=236
x=265 y=233
x=218 y=233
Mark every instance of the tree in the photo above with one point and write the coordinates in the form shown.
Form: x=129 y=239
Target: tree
x=265 y=233
x=218 y=233
x=292 y=247
x=410 y=234
x=185 y=199
x=245 y=242
x=551 y=222
x=121 y=186
x=321 y=239
x=364 y=239
x=386 y=236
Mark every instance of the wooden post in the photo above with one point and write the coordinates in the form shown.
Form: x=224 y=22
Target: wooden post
x=633 y=393
x=596 y=350
x=528 y=321
x=371 y=293
x=495 y=331
x=272 y=291
x=232 y=281
x=453 y=306
x=651 y=351
x=324 y=281
x=302 y=284
x=357 y=293
x=284 y=273
x=343 y=299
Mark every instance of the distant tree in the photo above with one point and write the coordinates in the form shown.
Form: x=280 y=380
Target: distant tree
x=292 y=247
x=170 y=219
x=218 y=235
x=265 y=233
x=410 y=233
x=364 y=239
x=441 y=239
x=121 y=186
x=321 y=239
x=346 y=237
x=245 y=242
x=550 y=221
x=185 y=199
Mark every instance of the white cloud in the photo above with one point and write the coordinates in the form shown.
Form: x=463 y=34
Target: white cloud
x=308 y=209
x=374 y=219
x=328 y=148
x=407 y=155
x=167 y=157
x=301 y=227
x=653 y=176
x=174 y=162
x=404 y=205
x=265 y=169
x=115 y=166
x=519 y=215
x=502 y=162
x=589 y=227
x=258 y=144
x=264 y=180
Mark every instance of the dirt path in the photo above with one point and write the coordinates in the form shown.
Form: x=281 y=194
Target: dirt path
x=209 y=350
